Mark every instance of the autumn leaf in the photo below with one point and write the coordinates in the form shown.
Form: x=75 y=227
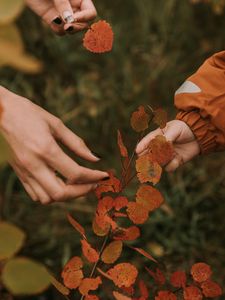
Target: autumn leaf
x=72 y=274
x=122 y=147
x=89 y=284
x=90 y=253
x=201 y=272
x=104 y=220
x=59 y=286
x=119 y=296
x=158 y=276
x=162 y=150
x=140 y=119
x=120 y=202
x=137 y=213
x=211 y=289
x=112 y=252
x=102 y=188
x=148 y=170
x=76 y=225
x=143 y=289
x=144 y=253
x=91 y=297
x=192 y=293
x=178 y=279
x=99 y=231
x=99 y=38
x=123 y=274
x=150 y=197
x=166 y=295
x=126 y=234
x=105 y=205
x=160 y=118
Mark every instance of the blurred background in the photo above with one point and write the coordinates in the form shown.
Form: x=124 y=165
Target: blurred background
x=158 y=44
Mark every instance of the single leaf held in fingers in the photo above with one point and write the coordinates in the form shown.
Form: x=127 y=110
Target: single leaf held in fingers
x=162 y=150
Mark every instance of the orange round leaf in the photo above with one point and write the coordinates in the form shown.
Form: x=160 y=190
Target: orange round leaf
x=99 y=38
x=166 y=295
x=112 y=252
x=148 y=170
x=72 y=273
x=192 y=293
x=90 y=253
x=98 y=230
x=162 y=151
x=201 y=272
x=126 y=234
x=120 y=202
x=137 y=212
x=119 y=296
x=123 y=274
x=89 y=284
x=150 y=197
x=211 y=289
x=140 y=119
x=178 y=279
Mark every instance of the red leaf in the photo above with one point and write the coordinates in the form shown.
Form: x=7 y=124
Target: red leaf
x=99 y=38
x=166 y=295
x=162 y=151
x=120 y=202
x=211 y=289
x=148 y=170
x=158 y=276
x=144 y=253
x=123 y=274
x=105 y=205
x=89 y=284
x=140 y=119
x=143 y=289
x=126 y=234
x=178 y=279
x=122 y=147
x=119 y=296
x=137 y=213
x=72 y=274
x=91 y=297
x=111 y=185
x=150 y=197
x=76 y=225
x=201 y=272
x=90 y=253
x=160 y=118
x=192 y=293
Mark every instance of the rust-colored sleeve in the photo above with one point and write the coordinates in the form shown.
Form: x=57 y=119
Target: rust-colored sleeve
x=201 y=103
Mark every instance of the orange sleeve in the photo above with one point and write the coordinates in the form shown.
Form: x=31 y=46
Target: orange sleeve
x=201 y=104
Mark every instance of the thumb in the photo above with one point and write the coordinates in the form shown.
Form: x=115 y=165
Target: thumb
x=172 y=131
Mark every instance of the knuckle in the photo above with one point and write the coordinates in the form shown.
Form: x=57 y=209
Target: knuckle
x=58 y=124
x=58 y=195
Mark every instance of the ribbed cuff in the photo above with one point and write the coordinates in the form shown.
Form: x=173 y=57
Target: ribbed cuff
x=203 y=130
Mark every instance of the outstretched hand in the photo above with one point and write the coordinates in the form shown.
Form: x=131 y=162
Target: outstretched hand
x=179 y=133
x=32 y=134
x=64 y=16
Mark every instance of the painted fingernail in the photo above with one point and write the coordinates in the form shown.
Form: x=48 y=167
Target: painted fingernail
x=96 y=154
x=106 y=178
x=68 y=16
x=69 y=29
x=57 y=21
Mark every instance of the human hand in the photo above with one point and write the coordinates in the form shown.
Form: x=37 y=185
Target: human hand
x=179 y=133
x=64 y=15
x=31 y=133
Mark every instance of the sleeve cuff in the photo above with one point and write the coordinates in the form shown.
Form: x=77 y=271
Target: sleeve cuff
x=203 y=130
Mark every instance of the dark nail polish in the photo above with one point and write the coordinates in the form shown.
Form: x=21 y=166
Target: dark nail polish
x=69 y=29
x=57 y=21
x=106 y=178
x=96 y=154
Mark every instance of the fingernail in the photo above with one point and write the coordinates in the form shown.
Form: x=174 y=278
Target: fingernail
x=68 y=16
x=96 y=154
x=57 y=21
x=69 y=29
x=106 y=178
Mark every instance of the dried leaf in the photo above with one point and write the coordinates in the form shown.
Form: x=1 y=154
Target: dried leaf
x=122 y=147
x=158 y=276
x=201 y=272
x=126 y=234
x=192 y=293
x=76 y=225
x=160 y=118
x=137 y=213
x=150 y=197
x=119 y=296
x=211 y=289
x=166 y=295
x=89 y=284
x=98 y=230
x=72 y=274
x=143 y=289
x=123 y=274
x=99 y=38
x=162 y=150
x=148 y=170
x=178 y=279
x=140 y=119
x=144 y=253
x=90 y=253
x=120 y=202
x=112 y=252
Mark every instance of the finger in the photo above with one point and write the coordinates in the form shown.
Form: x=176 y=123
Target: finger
x=144 y=143
x=87 y=12
x=71 y=140
x=174 y=164
x=43 y=197
x=75 y=27
x=65 y=10
x=77 y=190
